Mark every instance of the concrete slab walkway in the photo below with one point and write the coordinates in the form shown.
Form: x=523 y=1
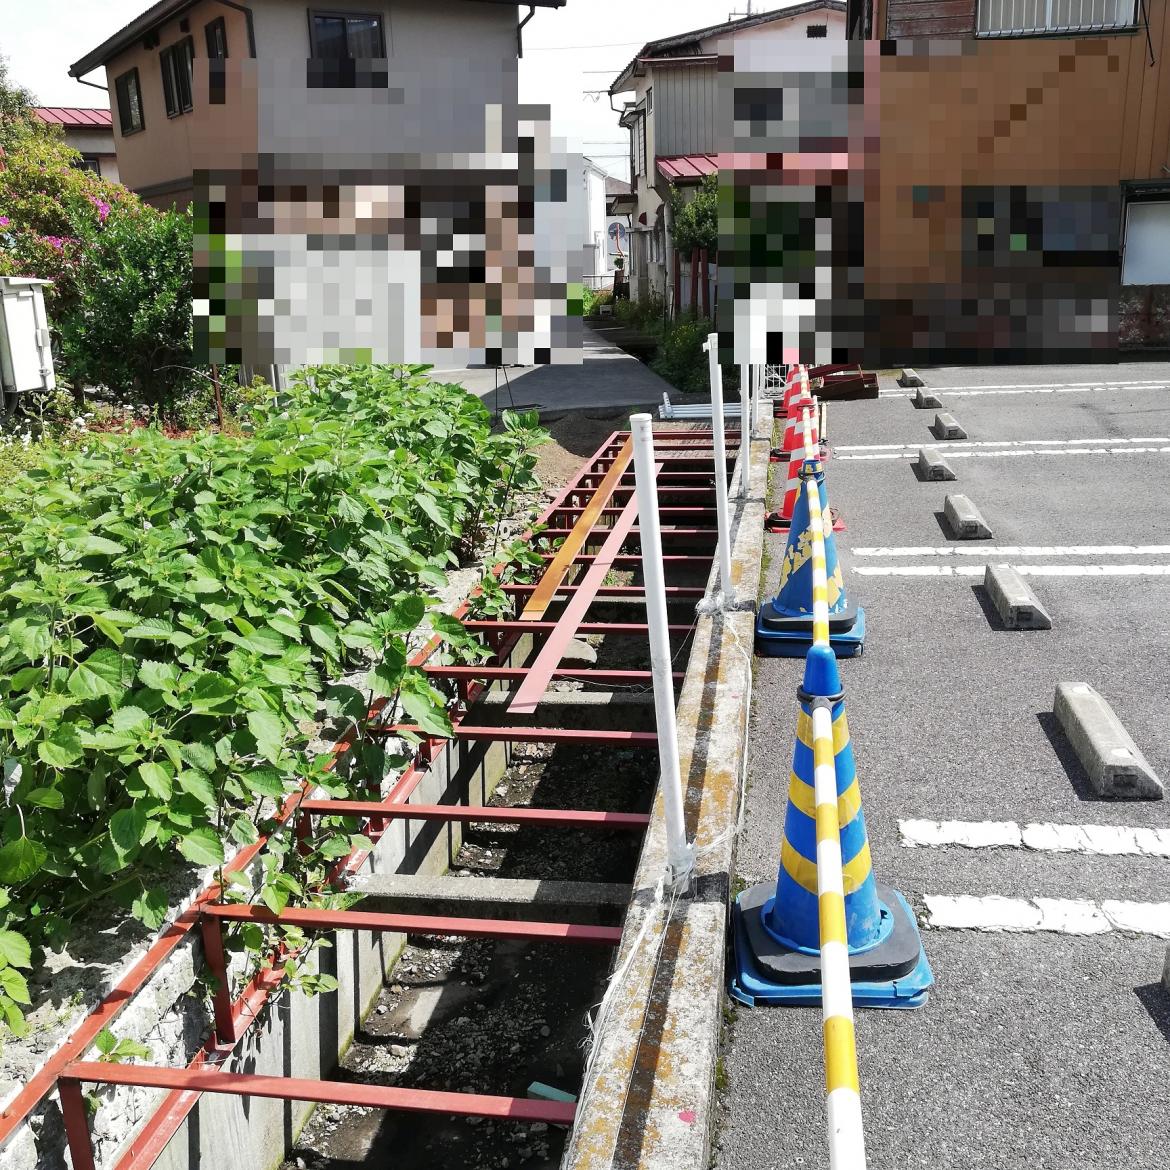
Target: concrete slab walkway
x=607 y=378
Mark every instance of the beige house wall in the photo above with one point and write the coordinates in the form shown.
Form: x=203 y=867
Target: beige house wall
x=159 y=160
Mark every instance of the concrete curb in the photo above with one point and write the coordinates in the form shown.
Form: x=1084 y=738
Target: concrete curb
x=1017 y=605
x=925 y=401
x=909 y=377
x=946 y=427
x=965 y=520
x=1115 y=766
x=649 y=1099
x=932 y=466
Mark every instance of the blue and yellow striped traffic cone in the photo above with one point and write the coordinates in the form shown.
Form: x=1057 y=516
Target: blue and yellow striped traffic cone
x=777 y=926
x=784 y=626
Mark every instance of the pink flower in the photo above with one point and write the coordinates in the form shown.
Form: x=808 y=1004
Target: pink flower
x=4 y=221
x=56 y=241
x=103 y=208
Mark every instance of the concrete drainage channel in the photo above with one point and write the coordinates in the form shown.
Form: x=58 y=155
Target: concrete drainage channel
x=513 y=880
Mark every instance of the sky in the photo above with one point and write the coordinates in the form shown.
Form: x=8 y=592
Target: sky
x=567 y=52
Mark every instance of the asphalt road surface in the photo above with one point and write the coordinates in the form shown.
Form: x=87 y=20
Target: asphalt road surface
x=1037 y=1048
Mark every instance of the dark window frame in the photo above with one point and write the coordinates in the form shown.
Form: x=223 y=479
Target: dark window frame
x=218 y=25
x=347 y=14
x=122 y=96
x=177 y=64
x=91 y=163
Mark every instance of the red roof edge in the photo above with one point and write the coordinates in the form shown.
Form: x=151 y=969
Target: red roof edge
x=75 y=117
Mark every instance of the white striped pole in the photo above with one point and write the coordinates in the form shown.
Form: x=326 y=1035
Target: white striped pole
x=745 y=426
x=719 y=444
x=842 y=1087
x=679 y=854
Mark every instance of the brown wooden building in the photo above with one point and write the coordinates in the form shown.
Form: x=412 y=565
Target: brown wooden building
x=1021 y=206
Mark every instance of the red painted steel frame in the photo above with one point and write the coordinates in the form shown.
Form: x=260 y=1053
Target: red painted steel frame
x=193 y=1082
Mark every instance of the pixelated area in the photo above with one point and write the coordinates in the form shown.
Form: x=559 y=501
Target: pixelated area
x=459 y=258
x=927 y=200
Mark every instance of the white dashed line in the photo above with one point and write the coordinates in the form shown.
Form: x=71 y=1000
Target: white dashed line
x=1017 y=451
x=1020 y=550
x=1099 y=840
x=1039 y=388
x=954 y=446
x=1023 y=570
x=1057 y=915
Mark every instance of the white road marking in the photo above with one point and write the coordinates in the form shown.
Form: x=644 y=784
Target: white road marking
x=1059 y=915
x=1031 y=388
x=1023 y=570
x=955 y=445
x=1099 y=840
x=1017 y=451
x=1020 y=550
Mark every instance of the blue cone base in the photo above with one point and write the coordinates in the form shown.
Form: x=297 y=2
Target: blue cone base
x=795 y=643
x=748 y=985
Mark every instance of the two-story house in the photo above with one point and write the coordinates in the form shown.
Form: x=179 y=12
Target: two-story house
x=90 y=132
x=367 y=174
x=673 y=114
x=199 y=85
x=1020 y=208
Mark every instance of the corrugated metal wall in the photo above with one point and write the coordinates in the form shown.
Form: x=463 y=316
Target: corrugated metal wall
x=685 y=110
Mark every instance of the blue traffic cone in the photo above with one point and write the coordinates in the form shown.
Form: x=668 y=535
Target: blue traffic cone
x=776 y=928
x=784 y=626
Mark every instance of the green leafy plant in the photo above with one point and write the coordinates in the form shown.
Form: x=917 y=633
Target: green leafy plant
x=114 y=1051
x=171 y=613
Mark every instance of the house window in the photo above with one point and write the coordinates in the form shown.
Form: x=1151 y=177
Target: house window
x=650 y=100
x=1006 y=18
x=89 y=162
x=349 y=51
x=216 y=32
x=129 y=95
x=813 y=31
x=1146 y=259
x=177 y=63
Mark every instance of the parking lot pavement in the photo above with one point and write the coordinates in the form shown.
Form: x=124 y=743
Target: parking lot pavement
x=1037 y=1048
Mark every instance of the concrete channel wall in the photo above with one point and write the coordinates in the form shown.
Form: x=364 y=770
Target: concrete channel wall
x=648 y=1101
x=297 y=1036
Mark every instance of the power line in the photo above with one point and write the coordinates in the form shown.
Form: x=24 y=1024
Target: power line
x=577 y=48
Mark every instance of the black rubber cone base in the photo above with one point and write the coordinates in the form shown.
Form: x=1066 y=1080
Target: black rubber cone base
x=895 y=956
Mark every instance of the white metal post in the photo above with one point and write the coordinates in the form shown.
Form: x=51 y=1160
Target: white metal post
x=745 y=425
x=716 y=372
x=679 y=855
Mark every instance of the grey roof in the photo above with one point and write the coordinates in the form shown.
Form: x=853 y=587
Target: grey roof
x=166 y=10
x=689 y=44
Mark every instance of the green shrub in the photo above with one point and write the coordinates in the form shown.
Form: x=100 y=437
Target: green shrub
x=130 y=327
x=171 y=612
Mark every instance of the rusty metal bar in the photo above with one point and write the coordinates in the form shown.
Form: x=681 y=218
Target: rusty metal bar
x=673 y=533
x=590 y=674
x=495 y=928
x=619 y=628
x=576 y=538
x=540 y=672
x=216 y=958
x=677 y=592
x=425 y=1101
x=632 y=560
x=465 y=814
x=646 y=739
